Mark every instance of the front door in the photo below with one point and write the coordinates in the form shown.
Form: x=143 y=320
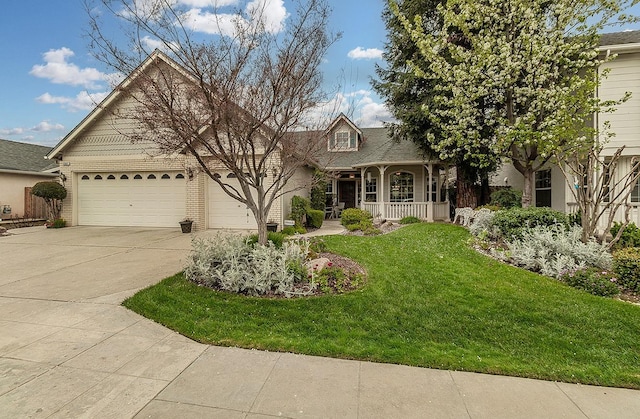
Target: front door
x=347 y=193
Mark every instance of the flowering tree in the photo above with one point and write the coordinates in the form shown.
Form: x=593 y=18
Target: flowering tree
x=227 y=89
x=514 y=77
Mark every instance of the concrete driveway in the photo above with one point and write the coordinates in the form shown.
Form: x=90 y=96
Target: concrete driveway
x=69 y=350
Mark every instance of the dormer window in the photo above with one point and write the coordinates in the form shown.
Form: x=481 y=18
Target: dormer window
x=344 y=140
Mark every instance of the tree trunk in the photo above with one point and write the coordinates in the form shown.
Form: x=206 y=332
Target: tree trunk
x=527 y=190
x=465 y=189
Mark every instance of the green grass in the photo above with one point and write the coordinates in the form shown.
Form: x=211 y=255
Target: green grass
x=430 y=301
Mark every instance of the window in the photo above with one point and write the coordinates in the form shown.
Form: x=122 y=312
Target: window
x=179 y=176
x=98 y=177
x=151 y=176
x=543 y=188
x=606 y=183
x=111 y=177
x=371 y=190
x=137 y=177
x=85 y=177
x=165 y=176
x=344 y=140
x=124 y=177
x=329 y=194
x=635 y=193
x=401 y=187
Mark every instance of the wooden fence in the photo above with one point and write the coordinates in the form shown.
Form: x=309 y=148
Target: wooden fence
x=34 y=206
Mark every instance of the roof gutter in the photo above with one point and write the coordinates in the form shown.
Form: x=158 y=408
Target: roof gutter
x=620 y=48
x=26 y=172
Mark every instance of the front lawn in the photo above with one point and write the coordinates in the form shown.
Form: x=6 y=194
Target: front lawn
x=430 y=301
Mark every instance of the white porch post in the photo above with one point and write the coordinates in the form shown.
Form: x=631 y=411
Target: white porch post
x=429 y=202
x=363 y=181
x=382 y=169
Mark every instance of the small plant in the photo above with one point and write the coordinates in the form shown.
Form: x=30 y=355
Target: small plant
x=291 y=230
x=594 y=281
x=319 y=191
x=352 y=216
x=507 y=198
x=512 y=223
x=58 y=223
x=315 y=218
x=410 y=220
x=626 y=264
x=333 y=280
x=630 y=236
x=276 y=238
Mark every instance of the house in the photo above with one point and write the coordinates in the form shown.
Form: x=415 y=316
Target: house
x=551 y=188
x=390 y=179
x=22 y=165
x=112 y=181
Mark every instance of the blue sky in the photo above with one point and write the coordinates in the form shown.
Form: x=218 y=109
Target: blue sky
x=48 y=77
x=49 y=81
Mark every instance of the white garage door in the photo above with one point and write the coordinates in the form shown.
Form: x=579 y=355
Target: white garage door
x=226 y=212
x=131 y=199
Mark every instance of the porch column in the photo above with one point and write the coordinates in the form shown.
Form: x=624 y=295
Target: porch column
x=382 y=169
x=429 y=187
x=363 y=182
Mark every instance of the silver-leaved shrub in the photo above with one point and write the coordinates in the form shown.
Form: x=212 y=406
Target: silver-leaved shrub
x=481 y=222
x=229 y=262
x=555 y=250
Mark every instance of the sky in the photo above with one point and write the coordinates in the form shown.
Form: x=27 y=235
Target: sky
x=49 y=80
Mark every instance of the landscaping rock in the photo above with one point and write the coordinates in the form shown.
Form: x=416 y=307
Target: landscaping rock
x=3 y=232
x=317 y=265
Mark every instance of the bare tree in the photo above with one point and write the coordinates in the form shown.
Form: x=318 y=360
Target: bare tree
x=231 y=98
x=600 y=189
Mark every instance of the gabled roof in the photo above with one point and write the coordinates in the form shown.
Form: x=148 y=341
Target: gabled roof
x=115 y=93
x=343 y=118
x=24 y=157
x=377 y=148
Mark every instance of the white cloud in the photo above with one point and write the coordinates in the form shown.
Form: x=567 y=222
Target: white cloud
x=270 y=13
x=152 y=44
x=358 y=105
x=12 y=131
x=365 y=54
x=208 y=3
x=58 y=70
x=83 y=100
x=46 y=126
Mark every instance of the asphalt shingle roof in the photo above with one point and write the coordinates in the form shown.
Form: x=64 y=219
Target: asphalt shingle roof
x=618 y=38
x=376 y=147
x=24 y=157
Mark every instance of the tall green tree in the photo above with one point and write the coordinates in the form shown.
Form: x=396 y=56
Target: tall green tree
x=513 y=77
x=406 y=94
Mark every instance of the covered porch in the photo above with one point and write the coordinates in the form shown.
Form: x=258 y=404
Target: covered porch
x=393 y=191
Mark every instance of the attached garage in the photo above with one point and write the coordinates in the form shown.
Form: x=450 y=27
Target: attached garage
x=144 y=199
x=226 y=212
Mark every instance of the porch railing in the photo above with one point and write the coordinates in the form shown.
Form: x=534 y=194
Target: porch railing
x=634 y=214
x=431 y=211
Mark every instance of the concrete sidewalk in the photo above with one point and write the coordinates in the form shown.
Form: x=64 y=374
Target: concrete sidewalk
x=69 y=350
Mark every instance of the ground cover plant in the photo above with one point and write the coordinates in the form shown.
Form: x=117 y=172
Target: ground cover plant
x=430 y=300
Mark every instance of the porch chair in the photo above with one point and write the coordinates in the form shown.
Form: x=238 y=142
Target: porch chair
x=339 y=209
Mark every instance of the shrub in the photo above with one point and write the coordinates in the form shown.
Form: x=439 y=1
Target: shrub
x=594 y=281
x=506 y=198
x=299 y=208
x=319 y=191
x=512 y=223
x=352 y=216
x=58 y=223
x=276 y=238
x=630 y=236
x=291 y=230
x=52 y=193
x=410 y=220
x=481 y=223
x=231 y=263
x=626 y=264
x=315 y=218
x=555 y=250
x=489 y=207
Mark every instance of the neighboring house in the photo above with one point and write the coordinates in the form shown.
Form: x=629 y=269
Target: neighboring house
x=551 y=188
x=22 y=165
